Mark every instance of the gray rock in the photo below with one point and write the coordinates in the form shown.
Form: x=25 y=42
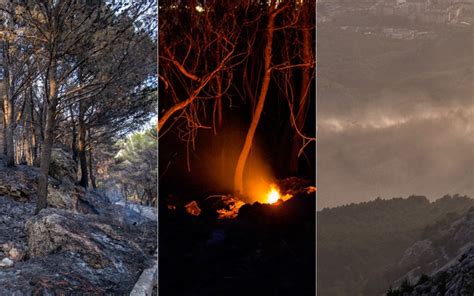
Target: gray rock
x=61 y=197
x=98 y=243
x=6 y=262
x=16 y=254
x=448 y=257
x=62 y=166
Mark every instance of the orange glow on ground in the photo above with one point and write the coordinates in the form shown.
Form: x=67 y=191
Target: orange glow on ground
x=273 y=195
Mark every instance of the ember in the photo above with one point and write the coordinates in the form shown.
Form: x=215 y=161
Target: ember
x=273 y=195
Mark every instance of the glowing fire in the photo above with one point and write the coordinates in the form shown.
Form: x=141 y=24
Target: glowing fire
x=273 y=195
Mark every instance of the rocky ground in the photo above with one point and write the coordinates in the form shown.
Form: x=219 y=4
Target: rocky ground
x=457 y=279
x=443 y=262
x=264 y=249
x=81 y=244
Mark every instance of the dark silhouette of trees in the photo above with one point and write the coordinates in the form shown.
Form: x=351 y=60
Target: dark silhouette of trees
x=228 y=50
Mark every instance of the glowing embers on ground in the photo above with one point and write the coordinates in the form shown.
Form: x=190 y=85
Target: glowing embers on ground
x=232 y=207
x=274 y=195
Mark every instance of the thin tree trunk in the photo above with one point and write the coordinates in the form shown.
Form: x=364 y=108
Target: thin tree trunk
x=48 y=141
x=9 y=128
x=4 y=152
x=304 y=97
x=91 y=168
x=34 y=134
x=239 y=171
x=81 y=146
x=8 y=109
x=218 y=104
x=74 y=135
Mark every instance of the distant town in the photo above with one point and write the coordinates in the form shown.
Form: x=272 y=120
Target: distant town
x=460 y=12
x=448 y=12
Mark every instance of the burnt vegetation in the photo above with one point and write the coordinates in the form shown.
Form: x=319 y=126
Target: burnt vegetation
x=78 y=92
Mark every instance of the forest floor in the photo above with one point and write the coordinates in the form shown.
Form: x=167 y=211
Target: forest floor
x=268 y=249
x=98 y=249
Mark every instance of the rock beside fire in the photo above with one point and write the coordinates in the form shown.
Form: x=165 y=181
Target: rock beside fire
x=192 y=208
x=225 y=206
x=296 y=186
x=264 y=247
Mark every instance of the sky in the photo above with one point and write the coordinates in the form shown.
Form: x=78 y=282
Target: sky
x=411 y=134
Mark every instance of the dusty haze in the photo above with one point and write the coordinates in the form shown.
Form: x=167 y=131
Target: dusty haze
x=395 y=116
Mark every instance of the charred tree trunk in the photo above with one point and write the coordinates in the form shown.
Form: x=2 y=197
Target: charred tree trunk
x=9 y=131
x=307 y=55
x=8 y=109
x=81 y=146
x=239 y=171
x=34 y=133
x=48 y=140
x=74 y=135
x=91 y=168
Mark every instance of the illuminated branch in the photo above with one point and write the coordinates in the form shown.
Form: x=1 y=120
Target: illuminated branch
x=181 y=105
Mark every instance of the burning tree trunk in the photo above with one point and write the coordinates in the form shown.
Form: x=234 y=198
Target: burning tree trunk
x=239 y=171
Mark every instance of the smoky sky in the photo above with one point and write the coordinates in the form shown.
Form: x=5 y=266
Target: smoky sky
x=395 y=121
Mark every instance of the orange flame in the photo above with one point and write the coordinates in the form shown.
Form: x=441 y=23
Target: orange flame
x=273 y=195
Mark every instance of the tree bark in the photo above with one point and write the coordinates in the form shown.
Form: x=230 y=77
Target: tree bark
x=8 y=109
x=300 y=119
x=48 y=140
x=74 y=135
x=34 y=134
x=239 y=171
x=91 y=168
x=81 y=146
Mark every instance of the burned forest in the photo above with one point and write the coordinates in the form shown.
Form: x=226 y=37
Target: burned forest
x=237 y=147
x=78 y=89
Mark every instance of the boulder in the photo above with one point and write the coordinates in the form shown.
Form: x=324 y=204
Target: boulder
x=62 y=190
x=98 y=243
x=62 y=167
x=61 y=197
x=6 y=262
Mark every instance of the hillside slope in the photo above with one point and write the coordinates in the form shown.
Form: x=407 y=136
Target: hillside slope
x=362 y=247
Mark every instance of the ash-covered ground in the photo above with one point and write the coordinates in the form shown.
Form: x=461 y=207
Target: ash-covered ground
x=95 y=247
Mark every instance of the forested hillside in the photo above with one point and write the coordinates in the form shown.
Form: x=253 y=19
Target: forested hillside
x=362 y=248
